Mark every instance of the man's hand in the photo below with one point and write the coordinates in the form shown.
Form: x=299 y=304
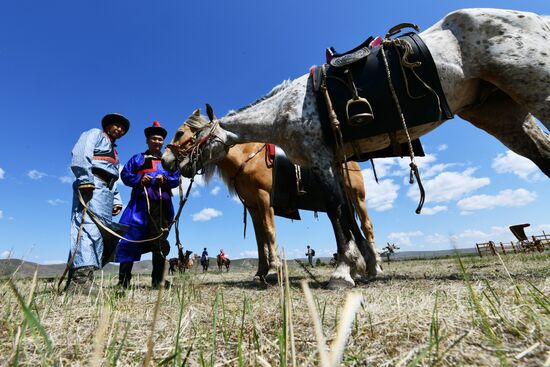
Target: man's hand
x=145 y=180
x=161 y=180
x=87 y=192
x=116 y=210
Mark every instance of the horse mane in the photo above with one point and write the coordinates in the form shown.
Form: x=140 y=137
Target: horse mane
x=278 y=88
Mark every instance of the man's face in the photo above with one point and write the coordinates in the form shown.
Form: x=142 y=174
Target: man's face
x=115 y=130
x=154 y=143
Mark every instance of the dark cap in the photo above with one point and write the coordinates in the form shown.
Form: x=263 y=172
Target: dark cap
x=156 y=129
x=113 y=118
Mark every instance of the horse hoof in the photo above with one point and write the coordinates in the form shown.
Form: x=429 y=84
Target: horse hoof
x=340 y=283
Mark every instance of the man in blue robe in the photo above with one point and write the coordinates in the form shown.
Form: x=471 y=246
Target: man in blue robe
x=95 y=166
x=150 y=210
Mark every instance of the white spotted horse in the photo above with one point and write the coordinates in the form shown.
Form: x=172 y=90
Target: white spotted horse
x=494 y=71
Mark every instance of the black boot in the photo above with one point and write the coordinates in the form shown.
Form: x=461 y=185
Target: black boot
x=158 y=271
x=125 y=274
x=80 y=280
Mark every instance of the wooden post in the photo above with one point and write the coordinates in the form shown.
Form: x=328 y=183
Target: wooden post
x=478 y=251
x=502 y=247
x=493 y=248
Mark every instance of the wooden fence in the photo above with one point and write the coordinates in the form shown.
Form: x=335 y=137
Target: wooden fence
x=539 y=243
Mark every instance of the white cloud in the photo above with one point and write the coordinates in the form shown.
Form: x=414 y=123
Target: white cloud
x=471 y=236
x=215 y=191
x=442 y=147
x=505 y=198
x=544 y=227
x=437 y=239
x=206 y=214
x=430 y=171
x=383 y=165
x=55 y=202
x=5 y=254
x=249 y=253
x=433 y=210
x=51 y=262
x=195 y=193
x=66 y=179
x=236 y=199
x=510 y=162
x=1 y=214
x=403 y=238
x=449 y=186
x=36 y=175
x=2 y=174
x=381 y=195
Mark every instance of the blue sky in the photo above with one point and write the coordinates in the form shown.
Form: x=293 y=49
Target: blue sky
x=64 y=64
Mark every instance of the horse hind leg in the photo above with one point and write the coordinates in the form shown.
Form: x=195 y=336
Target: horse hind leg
x=513 y=125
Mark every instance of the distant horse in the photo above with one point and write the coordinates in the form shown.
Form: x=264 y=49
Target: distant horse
x=494 y=71
x=221 y=262
x=205 y=263
x=180 y=263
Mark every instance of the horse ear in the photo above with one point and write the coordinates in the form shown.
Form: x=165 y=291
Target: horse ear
x=210 y=112
x=197 y=112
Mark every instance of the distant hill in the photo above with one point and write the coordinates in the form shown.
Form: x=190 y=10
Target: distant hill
x=27 y=269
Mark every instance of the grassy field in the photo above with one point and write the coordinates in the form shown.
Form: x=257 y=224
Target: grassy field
x=447 y=312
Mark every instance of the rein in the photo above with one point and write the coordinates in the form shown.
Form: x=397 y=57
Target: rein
x=234 y=182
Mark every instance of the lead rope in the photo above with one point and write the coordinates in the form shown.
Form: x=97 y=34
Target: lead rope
x=183 y=200
x=100 y=224
x=414 y=167
x=77 y=245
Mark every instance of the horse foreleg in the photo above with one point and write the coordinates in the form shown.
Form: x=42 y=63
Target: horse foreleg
x=512 y=124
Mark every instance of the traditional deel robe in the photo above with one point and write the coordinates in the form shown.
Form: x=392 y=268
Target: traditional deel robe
x=94 y=162
x=136 y=214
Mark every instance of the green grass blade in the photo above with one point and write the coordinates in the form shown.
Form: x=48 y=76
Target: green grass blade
x=31 y=319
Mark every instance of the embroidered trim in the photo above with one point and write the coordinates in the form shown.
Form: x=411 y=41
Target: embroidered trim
x=154 y=163
x=105 y=158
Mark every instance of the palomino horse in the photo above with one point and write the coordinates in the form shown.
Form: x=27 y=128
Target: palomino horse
x=248 y=174
x=494 y=70
x=223 y=262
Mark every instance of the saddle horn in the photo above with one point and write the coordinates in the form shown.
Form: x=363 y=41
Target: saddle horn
x=210 y=112
x=396 y=29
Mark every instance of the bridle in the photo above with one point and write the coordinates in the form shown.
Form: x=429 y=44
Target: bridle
x=192 y=146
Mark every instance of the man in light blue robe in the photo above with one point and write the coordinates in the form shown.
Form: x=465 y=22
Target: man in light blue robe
x=95 y=166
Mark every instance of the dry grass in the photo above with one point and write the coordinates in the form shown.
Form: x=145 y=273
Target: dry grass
x=427 y=313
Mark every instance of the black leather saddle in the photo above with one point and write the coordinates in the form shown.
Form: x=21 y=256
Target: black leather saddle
x=349 y=57
x=418 y=103
x=285 y=198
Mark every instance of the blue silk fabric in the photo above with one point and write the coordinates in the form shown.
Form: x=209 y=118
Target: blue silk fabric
x=136 y=214
x=93 y=149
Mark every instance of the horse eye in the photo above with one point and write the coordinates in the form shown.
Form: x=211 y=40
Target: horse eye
x=178 y=136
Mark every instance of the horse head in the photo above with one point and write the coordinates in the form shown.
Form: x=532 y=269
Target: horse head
x=198 y=144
